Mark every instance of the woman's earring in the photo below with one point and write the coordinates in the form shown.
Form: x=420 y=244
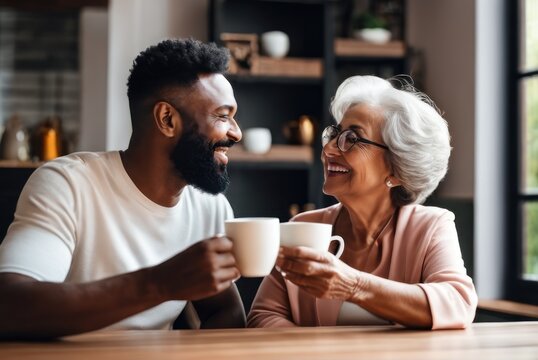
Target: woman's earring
x=389 y=183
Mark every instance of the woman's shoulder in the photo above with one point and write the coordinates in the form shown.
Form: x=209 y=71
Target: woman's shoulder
x=325 y=215
x=422 y=213
x=419 y=221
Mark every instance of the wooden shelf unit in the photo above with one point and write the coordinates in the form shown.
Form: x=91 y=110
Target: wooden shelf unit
x=277 y=153
x=348 y=47
x=10 y=164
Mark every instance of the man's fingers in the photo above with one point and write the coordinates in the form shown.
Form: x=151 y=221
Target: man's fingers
x=225 y=260
x=219 y=243
x=228 y=274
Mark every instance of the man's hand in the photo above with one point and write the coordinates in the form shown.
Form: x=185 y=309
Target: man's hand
x=202 y=270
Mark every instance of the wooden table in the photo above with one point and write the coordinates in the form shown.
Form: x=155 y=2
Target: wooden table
x=516 y=340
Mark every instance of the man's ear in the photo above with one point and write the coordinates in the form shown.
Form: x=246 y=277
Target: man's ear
x=167 y=119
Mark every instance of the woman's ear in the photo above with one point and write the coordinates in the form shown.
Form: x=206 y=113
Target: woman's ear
x=391 y=181
x=167 y=119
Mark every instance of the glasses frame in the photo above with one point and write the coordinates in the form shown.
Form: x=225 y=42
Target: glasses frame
x=341 y=139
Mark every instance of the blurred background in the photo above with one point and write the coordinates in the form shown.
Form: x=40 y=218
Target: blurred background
x=64 y=65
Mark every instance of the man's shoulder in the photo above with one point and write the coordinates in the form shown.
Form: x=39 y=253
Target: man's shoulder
x=80 y=160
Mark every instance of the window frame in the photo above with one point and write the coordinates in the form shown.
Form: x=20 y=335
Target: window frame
x=517 y=288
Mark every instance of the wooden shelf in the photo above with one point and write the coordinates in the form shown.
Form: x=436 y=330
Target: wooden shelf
x=287 y=80
x=347 y=47
x=264 y=67
x=509 y=307
x=280 y=156
x=10 y=164
x=288 y=66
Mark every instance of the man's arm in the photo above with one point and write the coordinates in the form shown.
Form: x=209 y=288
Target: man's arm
x=35 y=309
x=224 y=310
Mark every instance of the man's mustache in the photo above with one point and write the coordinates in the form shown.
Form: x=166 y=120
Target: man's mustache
x=223 y=143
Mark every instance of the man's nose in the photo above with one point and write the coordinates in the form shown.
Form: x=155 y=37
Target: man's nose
x=234 y=132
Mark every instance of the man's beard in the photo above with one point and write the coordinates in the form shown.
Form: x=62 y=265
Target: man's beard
x=193 y=158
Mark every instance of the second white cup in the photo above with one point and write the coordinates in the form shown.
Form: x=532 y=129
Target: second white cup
x=314 y=235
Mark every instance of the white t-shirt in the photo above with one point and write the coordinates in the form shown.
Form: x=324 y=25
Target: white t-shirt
x=81 y=218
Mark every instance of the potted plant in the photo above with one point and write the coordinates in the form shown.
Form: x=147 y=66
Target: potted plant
x=368 y=27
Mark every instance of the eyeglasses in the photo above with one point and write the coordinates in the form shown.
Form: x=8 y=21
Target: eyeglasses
x=345 y=139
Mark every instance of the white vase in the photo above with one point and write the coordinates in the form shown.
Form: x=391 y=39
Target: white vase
x=257 y=140
x=275 y=44
x=375 y=35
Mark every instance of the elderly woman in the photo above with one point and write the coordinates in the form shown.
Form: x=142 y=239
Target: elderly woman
x=401 y=261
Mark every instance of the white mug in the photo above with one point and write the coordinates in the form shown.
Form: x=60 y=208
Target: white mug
x=256 y=242
x=314 y=235
x=257 y=140
x=275 y=43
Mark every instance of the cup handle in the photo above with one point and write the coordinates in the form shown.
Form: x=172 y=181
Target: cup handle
x=340 y=245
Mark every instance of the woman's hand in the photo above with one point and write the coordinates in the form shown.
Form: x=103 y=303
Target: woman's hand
x=319 y=273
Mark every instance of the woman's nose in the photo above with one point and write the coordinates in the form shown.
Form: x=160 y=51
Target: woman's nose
x=331 y=148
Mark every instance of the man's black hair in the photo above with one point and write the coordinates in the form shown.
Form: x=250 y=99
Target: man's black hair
x=173 y=62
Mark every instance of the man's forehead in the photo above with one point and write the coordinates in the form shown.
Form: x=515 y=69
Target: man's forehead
x=212 y=83
x=214 y=88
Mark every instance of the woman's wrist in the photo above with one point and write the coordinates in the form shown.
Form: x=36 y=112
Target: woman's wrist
x=356 y=293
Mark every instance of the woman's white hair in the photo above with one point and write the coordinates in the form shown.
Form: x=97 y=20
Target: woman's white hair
x=416 y=134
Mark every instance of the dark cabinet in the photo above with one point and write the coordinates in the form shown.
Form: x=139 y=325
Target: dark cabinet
x=273 y=94
x=318 y=31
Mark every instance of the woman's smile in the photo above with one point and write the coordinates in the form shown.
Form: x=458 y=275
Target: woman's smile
x=335 y=169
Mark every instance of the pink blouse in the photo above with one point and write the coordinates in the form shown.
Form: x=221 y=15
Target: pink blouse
x=422 y=249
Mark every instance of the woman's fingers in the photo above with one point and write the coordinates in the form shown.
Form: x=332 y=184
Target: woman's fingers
x=305 y=253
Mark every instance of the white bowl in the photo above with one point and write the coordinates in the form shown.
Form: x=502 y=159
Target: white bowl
x=257 y=140
x=376 y=35
x=276 y=44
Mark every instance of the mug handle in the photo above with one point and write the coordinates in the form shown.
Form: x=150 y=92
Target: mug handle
x=340 y=245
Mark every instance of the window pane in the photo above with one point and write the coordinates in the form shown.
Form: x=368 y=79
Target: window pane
x=530 y=241
x=529 y=135
x=529 y=31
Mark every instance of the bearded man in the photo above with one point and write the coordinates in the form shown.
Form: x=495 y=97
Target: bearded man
x=123 y=239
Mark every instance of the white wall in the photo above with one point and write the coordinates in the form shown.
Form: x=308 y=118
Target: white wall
x=445 y=31
x=490 y=204
x=93 y=79
x=463 y=43
x=133 y=26
x=109 y=42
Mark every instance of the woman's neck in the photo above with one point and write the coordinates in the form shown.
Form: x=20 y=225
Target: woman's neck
x=364 y=222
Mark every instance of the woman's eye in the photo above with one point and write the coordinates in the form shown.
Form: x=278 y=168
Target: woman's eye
x=333 y=134
x=351 y=138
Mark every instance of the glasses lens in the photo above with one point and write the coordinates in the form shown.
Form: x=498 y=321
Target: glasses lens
x=328 y=134
x=346 y=140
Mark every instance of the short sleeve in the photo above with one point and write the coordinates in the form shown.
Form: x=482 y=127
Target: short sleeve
x=41 y=240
